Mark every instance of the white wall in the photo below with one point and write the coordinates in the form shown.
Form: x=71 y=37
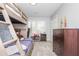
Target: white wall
x=70 y=11
x=40 y=25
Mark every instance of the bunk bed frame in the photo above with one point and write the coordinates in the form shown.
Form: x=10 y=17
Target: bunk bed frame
x=15 y=40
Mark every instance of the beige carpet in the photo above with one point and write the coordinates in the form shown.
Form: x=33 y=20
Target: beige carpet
x=43 y=49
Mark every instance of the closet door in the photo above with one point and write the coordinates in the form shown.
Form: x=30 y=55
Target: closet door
x=70 y=42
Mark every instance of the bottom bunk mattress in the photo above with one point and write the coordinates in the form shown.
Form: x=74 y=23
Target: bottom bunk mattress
x=28 y=43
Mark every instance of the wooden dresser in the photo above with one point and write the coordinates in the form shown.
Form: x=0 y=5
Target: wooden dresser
x=66 y=42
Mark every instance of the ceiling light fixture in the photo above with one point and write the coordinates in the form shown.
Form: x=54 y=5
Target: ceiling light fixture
x=32 y=2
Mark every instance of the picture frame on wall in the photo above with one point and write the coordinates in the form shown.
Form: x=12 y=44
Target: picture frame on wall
x=63 y=22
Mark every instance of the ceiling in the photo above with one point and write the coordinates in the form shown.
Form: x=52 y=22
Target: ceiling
x=39 y=9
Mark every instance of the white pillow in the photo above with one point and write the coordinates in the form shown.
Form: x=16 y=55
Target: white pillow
x=23 y=46
x=22 y=39
x=12 y=49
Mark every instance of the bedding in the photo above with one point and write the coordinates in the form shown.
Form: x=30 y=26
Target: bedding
x=29 y=43
x=25 y=49
x=15 y=54
x=26 y=45
x=12 y=50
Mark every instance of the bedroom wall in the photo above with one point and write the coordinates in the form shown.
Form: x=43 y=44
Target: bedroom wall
x=68 y=10
x=40 y=25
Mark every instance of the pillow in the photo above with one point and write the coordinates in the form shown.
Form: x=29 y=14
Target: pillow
x=22 y=39
x=24 y=47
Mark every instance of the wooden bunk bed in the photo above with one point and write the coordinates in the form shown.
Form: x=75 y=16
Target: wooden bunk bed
x=13 y=45
x=21 y=29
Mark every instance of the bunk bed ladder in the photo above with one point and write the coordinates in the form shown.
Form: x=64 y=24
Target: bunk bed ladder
x=12 y=31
